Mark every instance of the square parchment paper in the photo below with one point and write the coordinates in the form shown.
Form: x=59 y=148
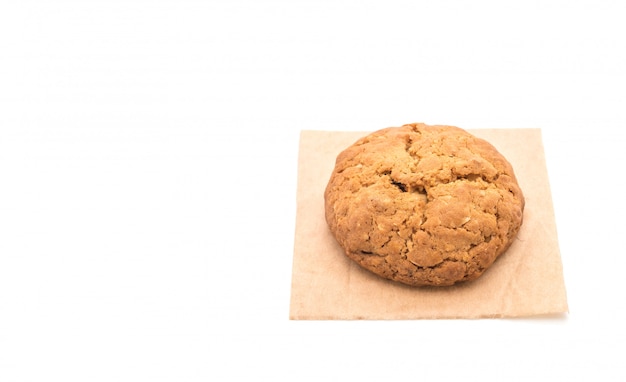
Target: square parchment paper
x=527 y=280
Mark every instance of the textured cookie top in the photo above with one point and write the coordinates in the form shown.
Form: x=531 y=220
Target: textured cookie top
x=423 y=205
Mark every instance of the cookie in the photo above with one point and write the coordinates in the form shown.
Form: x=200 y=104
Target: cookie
x=423 y=205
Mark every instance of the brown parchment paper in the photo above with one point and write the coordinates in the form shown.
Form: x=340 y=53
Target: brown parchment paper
x=527 y=280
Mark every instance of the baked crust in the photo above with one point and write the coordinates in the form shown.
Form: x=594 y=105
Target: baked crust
x=423 y=205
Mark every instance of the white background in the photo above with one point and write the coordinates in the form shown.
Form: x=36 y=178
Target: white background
x=148 y=156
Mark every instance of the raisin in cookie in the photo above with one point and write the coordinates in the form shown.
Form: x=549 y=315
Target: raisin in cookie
x=423 y=205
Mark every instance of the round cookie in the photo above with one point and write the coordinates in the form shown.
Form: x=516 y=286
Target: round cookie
x=423 y=205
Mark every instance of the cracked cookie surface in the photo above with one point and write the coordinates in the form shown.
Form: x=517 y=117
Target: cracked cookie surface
x=423 y=205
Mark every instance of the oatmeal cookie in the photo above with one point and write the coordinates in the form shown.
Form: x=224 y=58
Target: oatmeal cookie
x=423 y=205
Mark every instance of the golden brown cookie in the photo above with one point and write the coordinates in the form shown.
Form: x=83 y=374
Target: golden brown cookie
x=423 y=205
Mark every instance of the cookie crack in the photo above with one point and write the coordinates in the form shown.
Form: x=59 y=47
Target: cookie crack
x=401 y=186
x=408 y=143
x=370 y=253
